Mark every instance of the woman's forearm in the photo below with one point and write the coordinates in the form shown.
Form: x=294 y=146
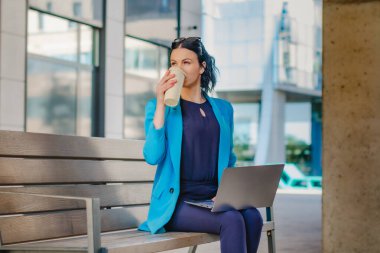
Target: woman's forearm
x=159 y=116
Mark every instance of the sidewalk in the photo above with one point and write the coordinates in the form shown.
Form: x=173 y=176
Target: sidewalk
x=298 y=225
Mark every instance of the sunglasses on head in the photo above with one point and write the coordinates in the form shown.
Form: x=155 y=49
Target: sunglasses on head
x=183 y=39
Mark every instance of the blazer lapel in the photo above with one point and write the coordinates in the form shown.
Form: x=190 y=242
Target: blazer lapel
x=174 y=133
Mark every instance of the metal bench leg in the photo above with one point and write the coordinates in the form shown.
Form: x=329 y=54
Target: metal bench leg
x=271 y=242
x=270 y=233
x=192 y=249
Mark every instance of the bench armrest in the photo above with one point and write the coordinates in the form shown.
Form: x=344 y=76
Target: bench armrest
x=92 y=215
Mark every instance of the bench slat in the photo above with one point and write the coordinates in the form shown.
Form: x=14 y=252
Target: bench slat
x=18 y=171
x=62 y=224
x=109 y=195
x=160 y=242
x=13 y=143
x=125 y=241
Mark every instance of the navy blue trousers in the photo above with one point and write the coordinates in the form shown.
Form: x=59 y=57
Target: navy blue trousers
x=239 y=231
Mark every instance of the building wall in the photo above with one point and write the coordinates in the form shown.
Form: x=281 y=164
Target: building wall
x=12 y=64
x=114 y=69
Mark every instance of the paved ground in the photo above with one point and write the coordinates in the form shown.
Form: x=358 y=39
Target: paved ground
x=298 y=225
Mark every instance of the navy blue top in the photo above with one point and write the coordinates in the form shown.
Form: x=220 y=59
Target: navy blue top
x=199 y=153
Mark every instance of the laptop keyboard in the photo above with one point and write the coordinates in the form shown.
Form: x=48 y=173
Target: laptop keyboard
x=203 y=203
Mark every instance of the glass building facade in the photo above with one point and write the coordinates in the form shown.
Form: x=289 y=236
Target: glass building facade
x=145 y=63
x=150 y=27
x=62 y=54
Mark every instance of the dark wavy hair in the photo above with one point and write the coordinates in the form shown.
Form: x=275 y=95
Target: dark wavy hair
x=208 y=78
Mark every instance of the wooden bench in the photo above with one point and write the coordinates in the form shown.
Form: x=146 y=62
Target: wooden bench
x=79 y=194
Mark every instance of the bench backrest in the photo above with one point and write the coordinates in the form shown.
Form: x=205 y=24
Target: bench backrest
x=113 y=170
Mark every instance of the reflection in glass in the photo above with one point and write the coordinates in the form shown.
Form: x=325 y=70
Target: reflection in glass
x=245 y=131
x=84 y=102
x=145 y=63
x=58 y=98
x=51 y=98
x=142 y=58
x=296 y=62
x=87 y=39
x=154 y=20
x=298 y=55
x=89 y=11
x=298 y=135
x=59 y=83
x=52 y=36
x=59 y=38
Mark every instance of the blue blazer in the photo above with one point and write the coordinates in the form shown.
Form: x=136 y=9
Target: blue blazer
x=163 y=148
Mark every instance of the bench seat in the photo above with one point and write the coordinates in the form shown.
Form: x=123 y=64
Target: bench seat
x=130 y=240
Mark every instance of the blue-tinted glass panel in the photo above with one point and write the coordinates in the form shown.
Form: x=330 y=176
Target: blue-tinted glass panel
x=61 y=58
x=86 y=45
x=84 y=102
x=298 y=135
x=51 y=98
x=245 y=131
x=145 y=63
x=88 y=11
x=59 y=38
x=154 y=20
x=58 y=98
x=144 y=59
x=53 y=37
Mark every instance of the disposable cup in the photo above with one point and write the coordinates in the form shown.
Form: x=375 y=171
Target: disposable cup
x=173 y=94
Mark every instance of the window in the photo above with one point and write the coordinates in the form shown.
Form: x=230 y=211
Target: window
x=153 y=20
x=145 y=63
x=61 y=63
x=90 y=12
x=245 y=131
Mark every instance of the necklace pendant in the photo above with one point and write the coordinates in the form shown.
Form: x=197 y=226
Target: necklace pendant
x=202 y=113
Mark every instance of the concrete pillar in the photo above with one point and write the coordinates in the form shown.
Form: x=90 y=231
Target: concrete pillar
x=12 y=64
x=114 y=69
x=351 y=126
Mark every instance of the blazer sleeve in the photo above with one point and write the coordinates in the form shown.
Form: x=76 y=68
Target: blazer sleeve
x=155 y=144
x=232 y=159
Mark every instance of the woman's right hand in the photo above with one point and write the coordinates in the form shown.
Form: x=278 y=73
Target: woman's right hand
x=166 y=82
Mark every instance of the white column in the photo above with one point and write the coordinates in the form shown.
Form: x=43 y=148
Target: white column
x=114 y=68
x=13 y=29
x=271 y=138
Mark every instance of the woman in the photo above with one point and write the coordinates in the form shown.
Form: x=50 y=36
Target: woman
x=192 y=145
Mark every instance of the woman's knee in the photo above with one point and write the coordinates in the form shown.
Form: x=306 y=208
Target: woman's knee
x=252 y=215
x=232 y=219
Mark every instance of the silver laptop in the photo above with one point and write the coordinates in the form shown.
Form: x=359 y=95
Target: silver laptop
x=244 y=187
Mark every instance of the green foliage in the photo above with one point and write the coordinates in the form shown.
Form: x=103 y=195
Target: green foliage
x=299 y=153
x=243 y=149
